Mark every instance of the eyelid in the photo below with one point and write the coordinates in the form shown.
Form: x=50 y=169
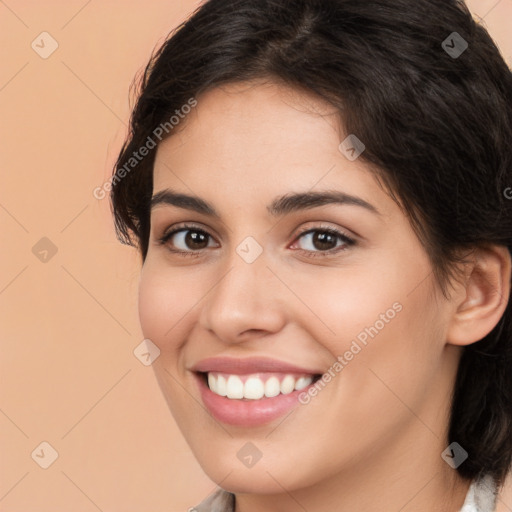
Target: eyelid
x=323 y=226
x=183 y=226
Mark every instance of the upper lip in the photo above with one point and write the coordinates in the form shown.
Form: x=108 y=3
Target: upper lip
x=242 y=366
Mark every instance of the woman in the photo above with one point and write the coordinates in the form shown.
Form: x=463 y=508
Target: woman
x=318 y=190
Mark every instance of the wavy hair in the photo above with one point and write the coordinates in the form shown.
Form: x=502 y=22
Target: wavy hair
x=435 y=117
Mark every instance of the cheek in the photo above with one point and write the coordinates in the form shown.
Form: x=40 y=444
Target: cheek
x=166 y=303
x=370 y=289
x=348 y=301
x=383 y=321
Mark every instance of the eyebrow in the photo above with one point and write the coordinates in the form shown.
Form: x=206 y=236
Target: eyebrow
x=280 y=206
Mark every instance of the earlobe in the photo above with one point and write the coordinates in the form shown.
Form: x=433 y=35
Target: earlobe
x=485 y=296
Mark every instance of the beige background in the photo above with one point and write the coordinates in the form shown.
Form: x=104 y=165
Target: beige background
x=69 y=325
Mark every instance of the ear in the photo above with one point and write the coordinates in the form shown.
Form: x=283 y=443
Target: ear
x=483 y=296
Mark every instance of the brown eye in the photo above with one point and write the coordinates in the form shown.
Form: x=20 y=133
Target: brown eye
x=196 y=239
x=187 y=239
x=323 y=240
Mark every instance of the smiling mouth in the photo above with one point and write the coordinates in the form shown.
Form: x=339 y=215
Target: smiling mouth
x=256 y=386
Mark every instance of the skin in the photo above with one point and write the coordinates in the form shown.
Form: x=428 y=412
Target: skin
x=372 y=438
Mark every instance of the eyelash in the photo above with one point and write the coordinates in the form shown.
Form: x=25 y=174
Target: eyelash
x=346 y=240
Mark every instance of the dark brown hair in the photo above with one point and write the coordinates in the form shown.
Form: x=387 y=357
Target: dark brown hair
x=427 y=91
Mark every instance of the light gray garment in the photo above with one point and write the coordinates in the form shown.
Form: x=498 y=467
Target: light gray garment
x=481 y=497
x=219 y=501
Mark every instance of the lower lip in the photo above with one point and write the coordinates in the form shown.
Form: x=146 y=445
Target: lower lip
x=247 y=413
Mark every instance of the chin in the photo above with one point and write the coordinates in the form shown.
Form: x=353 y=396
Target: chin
x=269 y=476
x=250 y=480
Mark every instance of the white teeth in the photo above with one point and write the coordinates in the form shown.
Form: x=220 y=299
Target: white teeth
x=255 y=387
x=302 y=382
x=234 y=387
x=212 y=381
x=272 y=387
x=287 y=385
x=221 y=385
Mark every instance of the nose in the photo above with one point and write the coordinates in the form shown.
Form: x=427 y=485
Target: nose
x=246 y=302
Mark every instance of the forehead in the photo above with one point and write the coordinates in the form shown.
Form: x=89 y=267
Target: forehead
x=266 y=139
x=244 y=120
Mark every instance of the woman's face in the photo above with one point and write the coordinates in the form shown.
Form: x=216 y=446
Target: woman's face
x=272 y=285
